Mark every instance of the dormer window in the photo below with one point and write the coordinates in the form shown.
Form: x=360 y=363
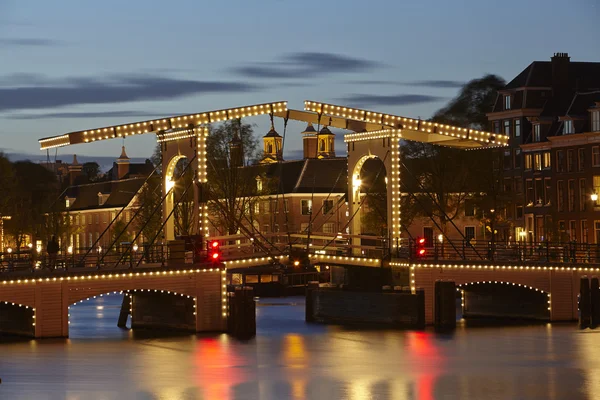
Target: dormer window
x=259 y=184
x=102 y=198
x=507 y=102
x=568 y=127
x=596 y=121
x=67 y=202
x=537 y=133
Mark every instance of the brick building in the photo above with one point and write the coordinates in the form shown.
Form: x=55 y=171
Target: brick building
x=550 y=111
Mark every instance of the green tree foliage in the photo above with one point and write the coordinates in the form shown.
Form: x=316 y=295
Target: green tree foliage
x=183 y=213
x=118 y=232
x=156 y=158
x=440 y=179
x=217 y=143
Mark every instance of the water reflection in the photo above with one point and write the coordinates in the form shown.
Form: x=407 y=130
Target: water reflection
x=293 y=360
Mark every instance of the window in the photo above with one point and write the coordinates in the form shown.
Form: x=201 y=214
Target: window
x=259 y=184
x=507 y=128
x=90 y=239
x=539 y=192
x=518 y=185
x=584 y=231
x=89 y=218
x=537 y=133
x=77 y=219
x=597 y=188
x=327 y=206
x=581 y=160
x=537 y=157
x=596 y=156
x=547 y=191
x=306 y=207
x=329 y=227
x=469 y=208
x=507 y=185
x=97 y=218
x=266 y=228
x=266 y=206
x=560 y=195
x=570 y=160
x=507 y=102
x=67 y=202
x=286 y=204
x=595 y=121
x=568 y=127
x=528 y=163
x=517 y=127
x=572 y=230
x=507 y=159
x=547 y=160
x=571 y=188
x=518 y=158
x=304 y=227
x=105 y=217
x=560 y=161
x=496 y=126
x=519 y=209
x=597 y=231
x=469 y=232
x=257 y=208
x=529 y=194
x=582 y=195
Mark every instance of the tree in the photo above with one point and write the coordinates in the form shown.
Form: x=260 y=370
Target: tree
x=91 y=170
x=34 y=191
x=118 y=232
x=149 y=217
x=232 y=191
x=184 y=212
x=156 y=158
x=7 y=183
x=440 y=179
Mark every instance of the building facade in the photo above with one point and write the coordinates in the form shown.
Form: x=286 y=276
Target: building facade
x=550 y=113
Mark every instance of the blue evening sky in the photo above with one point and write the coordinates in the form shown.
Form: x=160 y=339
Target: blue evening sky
x=67 y=65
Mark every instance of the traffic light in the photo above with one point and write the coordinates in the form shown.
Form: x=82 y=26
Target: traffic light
x=421 y=251
x=214 y=251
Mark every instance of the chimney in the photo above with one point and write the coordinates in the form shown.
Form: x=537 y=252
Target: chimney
x=309 y=141
x=75 y=170
x=122 y=164
x=560 y=72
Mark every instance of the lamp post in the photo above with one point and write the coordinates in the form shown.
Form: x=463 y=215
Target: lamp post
x=594 y=197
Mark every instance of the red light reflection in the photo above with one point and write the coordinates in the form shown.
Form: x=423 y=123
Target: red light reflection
x=428 y=362
x=218 y=368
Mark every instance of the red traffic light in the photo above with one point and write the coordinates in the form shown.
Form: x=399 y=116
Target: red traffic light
x=214 y=244
x=422 y=252
x=421 y=241
x=215 y=256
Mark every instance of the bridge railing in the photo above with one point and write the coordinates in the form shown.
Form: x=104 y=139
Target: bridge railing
x=537 y=252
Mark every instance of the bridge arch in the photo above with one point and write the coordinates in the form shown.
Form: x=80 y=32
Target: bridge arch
x=384 y=145
x=178 y=144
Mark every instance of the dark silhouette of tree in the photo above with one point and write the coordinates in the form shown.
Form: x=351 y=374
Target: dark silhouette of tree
x=91 y=170
x=441 y=178
x=232 y=190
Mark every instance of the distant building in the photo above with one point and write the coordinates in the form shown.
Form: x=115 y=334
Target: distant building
x=552 y=165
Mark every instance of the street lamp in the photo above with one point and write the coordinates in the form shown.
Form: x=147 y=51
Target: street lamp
x=594 y=197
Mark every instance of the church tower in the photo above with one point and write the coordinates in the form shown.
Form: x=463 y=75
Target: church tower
x=325 y=142
x=272 y=143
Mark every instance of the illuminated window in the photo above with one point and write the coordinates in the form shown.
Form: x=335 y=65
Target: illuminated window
x=547 y=160
x=306 y=206
x=538 y=161
x=528 y=161
x=327 y=206
x=507 y=127
x=329 y=227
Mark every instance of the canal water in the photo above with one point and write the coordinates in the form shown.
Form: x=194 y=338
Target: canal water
x=289 y=359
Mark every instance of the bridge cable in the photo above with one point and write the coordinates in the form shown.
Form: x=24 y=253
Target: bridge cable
x=361 y=202
x=436 y=203
x=139 y=209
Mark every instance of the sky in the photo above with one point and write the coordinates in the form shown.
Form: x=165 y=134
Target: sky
x=71 y=65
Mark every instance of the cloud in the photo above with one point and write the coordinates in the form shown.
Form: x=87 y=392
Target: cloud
x=28 y=42
x=45 y=93
x=440 y=84
x=92 y=114
x=361 y=100
x=306 y=65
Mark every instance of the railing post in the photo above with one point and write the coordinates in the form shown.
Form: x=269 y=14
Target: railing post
x=464 y=257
